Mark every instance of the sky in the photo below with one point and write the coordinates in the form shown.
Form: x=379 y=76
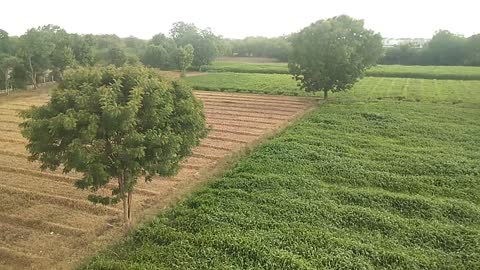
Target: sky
x=241 y=18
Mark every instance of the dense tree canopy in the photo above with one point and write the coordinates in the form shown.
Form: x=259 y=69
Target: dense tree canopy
x=204 y=42
x=156 y=56
x=115 y=124
x=278 y=48
x=445 y=49
x=185 y=57
x=332 y=54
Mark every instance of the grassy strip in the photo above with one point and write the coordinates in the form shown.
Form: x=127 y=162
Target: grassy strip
x=396 y=71
x=368 y=88
x=366 y=182
x=277 y=84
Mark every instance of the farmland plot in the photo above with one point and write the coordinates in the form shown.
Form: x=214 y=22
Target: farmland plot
x=48 y=224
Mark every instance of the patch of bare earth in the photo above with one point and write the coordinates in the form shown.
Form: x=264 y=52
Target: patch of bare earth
x=45 y=223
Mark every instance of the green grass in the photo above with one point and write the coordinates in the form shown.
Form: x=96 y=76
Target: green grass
x=365 y=182
x=421 y=72
x=245 y=67
x=279 y=84
x=426 y=72
x=369 y=87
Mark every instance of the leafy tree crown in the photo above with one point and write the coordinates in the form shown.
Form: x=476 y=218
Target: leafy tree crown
x=115 y=123
x=333 y=54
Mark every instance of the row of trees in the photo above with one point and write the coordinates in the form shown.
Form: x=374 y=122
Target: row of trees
x=43 y=53
x=444 y=49
x=278 y=48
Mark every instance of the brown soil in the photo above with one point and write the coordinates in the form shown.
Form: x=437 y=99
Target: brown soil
x=46 y=223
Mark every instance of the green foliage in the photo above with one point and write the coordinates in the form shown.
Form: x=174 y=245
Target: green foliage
x=36 y=47
x=7 y=64
x=331 y=55
x=361 y=183
x=472 y=57
x=204 y=42
x=445 y=48
x=4 y=42
x=185 y=57
x=115 y=123
x=19 y=76
x=156 y=56
x=405 y=54
x=278 y=48
x=62 y=59
x=116 y=56
x=82 y=47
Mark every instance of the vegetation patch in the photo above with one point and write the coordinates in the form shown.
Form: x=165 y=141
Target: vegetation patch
x=368 y=88
x=397 y=71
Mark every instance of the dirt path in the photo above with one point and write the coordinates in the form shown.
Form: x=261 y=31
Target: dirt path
x=45 y=223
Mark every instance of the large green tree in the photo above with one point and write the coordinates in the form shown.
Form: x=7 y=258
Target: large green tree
x=185 y=57
x=116 y=56
x=115 y=124
x=445 y=49
x=204 y=42
x=36 y=47
x=156 y=56
x=332 y=54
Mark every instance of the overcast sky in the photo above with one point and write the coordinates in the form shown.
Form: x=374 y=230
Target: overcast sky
x=240 y=18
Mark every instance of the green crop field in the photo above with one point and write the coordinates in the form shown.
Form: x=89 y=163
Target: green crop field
x=246 y=82
x=422 y=72
x=369 y=87
x=384 y=177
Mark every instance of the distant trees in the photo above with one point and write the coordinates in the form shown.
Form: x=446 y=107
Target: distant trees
x=405 y=54
x=472 y=51
x=115 y=125
x=35 y=49
x=444 y=49
x=156 y=56
x=115 y=56
x=278 y=48
x=332 y=54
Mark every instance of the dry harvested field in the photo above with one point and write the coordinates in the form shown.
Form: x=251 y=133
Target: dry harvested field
x=45 y=223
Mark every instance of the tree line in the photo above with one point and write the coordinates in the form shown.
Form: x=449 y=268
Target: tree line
x=44 y=53
x=444 y=49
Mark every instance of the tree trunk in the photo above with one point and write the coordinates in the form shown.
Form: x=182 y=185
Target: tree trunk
x=183 y=73
x=125 y=210
x=121 y=191
x=6 y=80
x=130 y=198
x=325 y=94
x=33 y=75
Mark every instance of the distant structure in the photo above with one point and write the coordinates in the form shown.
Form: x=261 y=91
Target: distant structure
x=417 y=42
